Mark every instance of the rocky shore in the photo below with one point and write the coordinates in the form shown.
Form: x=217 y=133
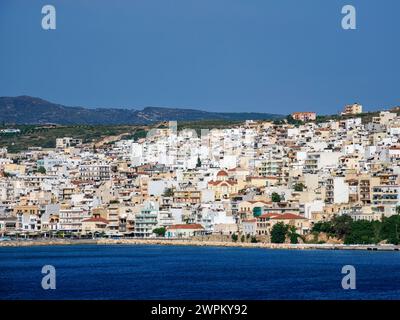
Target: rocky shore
x=189 y=242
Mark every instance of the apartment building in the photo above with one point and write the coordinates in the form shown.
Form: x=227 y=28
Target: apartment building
x=95 y=172
x=352 y=109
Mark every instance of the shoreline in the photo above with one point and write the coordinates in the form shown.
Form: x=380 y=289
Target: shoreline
x=196 y=243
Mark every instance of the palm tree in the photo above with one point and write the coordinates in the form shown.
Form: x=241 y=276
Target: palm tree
x=292 y=234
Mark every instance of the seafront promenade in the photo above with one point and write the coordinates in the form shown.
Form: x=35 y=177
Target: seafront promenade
x=189 y=242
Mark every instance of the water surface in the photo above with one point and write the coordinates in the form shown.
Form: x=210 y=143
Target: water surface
x=180 y=272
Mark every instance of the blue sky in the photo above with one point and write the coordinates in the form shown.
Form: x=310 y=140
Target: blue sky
x=218 y=55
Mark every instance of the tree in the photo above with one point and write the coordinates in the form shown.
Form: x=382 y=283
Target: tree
x=342 y=225
x=7 y=174
x=275 y=197
x=362 y=232
x=298 y=187
x=198 y=164
x=41 y=170
x=377 y=226
x=139 y=134
x=242 y=238
x=278 y=233
x=323 y=226
x=234 y=237
x=293 y=235
x=169 y=192
x=160 y=232
x=391 y=229
x=293 y=121
x=253 y=239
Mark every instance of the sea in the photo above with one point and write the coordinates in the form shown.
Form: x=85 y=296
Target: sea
x=151 y=272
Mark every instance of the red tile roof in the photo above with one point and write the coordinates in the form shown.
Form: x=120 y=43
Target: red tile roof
x=287 y=216
x=216 y=183
x=281 y=216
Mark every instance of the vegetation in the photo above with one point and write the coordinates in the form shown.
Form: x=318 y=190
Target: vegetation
x=169 y=192
x=278 y=232
x=362 y=231
x=45 y=136
x=299 y=187
x=293 y=235
x=281 y=231
x=390 y=229
x=253 y=239
x=160 y=232
x=323 y=226
x=41 y=170
x=198 y=164
x=365 y=117
x=7 y=174
x=342 y=225
x=139 y=134
x=291 y=120
x=234 y=237
x=275 y=197
x=278 y=122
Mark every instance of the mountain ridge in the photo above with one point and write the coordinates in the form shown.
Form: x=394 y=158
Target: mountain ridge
x=33 y=110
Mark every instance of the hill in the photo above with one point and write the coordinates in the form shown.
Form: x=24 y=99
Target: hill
x=31 y=110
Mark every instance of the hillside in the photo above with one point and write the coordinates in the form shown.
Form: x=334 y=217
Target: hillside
x=30 y=110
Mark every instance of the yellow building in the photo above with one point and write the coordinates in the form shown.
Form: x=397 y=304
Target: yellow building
x=187 y=196
x=93 y=225
x=352 y=109
x=16 y=169
x=223 y=187
x=266 y=222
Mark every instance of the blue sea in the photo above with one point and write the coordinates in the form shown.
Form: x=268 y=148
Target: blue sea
x=177 y=272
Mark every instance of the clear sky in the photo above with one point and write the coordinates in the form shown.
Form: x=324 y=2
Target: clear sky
x=218 y=55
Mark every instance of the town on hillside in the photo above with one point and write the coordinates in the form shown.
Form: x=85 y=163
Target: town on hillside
x=298 y=181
